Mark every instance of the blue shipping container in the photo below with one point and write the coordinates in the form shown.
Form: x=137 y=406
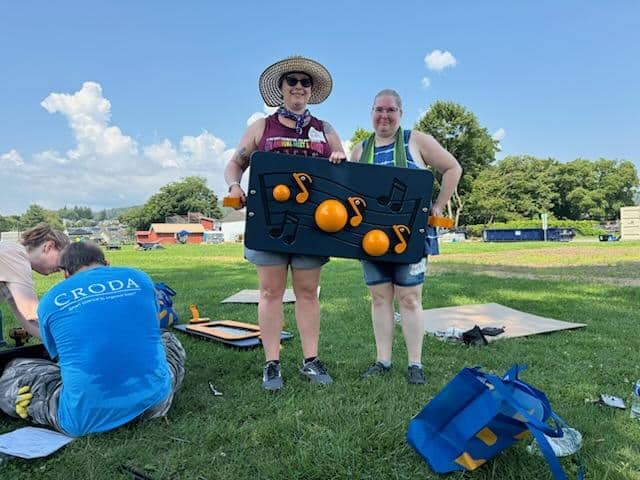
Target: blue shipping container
x=528 y=235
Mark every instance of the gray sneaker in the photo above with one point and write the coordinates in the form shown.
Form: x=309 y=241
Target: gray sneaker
x=415 y=375
x=316 y=372
x=271 y=377
x=375 y=370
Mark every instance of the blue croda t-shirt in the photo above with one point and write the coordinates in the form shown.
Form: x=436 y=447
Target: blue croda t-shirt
x=102 y=325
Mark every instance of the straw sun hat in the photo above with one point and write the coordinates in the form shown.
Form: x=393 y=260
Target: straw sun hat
x=268 y=82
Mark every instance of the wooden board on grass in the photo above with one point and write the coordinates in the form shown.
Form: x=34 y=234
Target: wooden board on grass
x=253 y=296
x=232 y=336
x=227 y=329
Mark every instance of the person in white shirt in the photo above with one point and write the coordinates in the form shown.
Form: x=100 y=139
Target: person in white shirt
x=39 y=250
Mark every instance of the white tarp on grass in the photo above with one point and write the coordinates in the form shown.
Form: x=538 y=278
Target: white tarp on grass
x=515 y=322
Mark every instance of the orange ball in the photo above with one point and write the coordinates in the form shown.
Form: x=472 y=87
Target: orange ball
x=375 y=243
x=281 y=193
x=331 y=216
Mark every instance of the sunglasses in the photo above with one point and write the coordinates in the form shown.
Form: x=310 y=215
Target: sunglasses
x=293 y=81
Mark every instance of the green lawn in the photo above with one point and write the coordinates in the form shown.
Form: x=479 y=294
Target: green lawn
x=355 y=428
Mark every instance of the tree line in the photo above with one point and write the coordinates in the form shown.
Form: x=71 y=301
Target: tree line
x=75 y=217
x=189 y=194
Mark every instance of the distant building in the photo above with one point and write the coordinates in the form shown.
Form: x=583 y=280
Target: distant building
x=166 y=233
x=10 y=237
x=79 y=234
x=630 y=223
x=142 y=236
x=211 y=224
x=233 y=225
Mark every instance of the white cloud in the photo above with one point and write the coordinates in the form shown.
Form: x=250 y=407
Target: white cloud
x=11 y=159
x=163 y=154
x=499 y=134
x=255 y=116
x=422 y=112
x=425 y=82
x=50 y=156
x=438 y=60
x=346 y=144
x=105 y=168
x=258 y=115
x=203 y=149
x=88 y=114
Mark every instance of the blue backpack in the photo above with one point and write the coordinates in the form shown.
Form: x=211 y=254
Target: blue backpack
x=166 y=314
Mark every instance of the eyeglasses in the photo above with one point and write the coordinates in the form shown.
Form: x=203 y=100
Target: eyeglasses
x=293 y=81
x=386 y=110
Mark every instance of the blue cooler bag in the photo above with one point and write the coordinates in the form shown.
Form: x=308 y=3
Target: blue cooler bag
x=166 y=314
x=477 y=415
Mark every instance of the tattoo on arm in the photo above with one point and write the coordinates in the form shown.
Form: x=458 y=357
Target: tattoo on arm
x=242 y=155
x=327 y=127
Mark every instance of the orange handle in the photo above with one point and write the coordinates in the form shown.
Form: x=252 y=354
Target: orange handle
x=444 y=222
x=196 y=315
x=233 y=202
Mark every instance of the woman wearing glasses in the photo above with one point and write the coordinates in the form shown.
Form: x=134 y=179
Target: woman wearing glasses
x=290 y=84
x=387 y=281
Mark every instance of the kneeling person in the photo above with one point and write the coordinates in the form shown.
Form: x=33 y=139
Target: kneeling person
x=114 y=364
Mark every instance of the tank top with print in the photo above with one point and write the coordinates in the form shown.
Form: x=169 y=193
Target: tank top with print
x=311 y=142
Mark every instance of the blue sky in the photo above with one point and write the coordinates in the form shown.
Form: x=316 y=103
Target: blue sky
x=102 y=103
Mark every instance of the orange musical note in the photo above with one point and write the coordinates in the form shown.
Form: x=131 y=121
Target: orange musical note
x=301 y=179
x=401 y=231
x=357 y=204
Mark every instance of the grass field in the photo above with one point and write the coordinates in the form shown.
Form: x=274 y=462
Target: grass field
x=355 y=428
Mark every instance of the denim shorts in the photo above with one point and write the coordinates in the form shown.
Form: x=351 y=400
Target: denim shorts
x=267 y=259
x=376 y=273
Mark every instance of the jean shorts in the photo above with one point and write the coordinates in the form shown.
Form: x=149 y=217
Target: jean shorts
x=377 y=273
x=268 y=259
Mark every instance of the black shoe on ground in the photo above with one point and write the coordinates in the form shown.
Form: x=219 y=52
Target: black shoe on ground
x=375 y=370
x=271 y=377
x=316 y=372
x=415 y=375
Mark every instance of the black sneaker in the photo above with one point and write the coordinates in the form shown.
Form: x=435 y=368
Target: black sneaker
x=316 y=372
x=375 y=370
x=415 y=375
x=271 y=377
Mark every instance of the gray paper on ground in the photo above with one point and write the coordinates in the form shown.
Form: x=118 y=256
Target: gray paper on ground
x=32 y=442
x=515 y=322
x=252 y=296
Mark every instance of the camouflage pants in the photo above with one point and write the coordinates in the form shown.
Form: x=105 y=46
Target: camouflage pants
x=43 y=377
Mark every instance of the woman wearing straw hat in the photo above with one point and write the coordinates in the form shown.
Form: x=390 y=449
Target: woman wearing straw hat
x=290 y=84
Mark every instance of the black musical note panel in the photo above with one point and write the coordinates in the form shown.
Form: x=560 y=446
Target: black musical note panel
x=309 y=206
